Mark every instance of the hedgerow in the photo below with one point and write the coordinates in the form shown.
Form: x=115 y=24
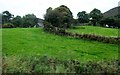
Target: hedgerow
x=61 y=31
x=36 y=65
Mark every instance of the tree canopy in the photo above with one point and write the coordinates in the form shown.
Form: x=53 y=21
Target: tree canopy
x=96 y=16
x=6 y=17
x=17 y=21
x=29 y=20
x=0 y=18
x=9 y=21
x=59 y=17
x=83 y=17
x=111 y=22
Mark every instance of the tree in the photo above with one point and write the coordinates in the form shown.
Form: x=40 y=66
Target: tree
x=59 y=17
x=17 y=21
x=6 y=17
x=117 y=21
x=49 y=9
x=29 y=20
x=75 y=22
x=111 y=22
x=96 y=16
x=83 y=17
x=0 y=20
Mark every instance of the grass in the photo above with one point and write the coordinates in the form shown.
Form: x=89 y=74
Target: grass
x=23 y=48
x=95 y=30
x=27 y=42
x=0 y=50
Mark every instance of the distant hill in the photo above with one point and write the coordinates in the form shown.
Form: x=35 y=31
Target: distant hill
x=112 y=13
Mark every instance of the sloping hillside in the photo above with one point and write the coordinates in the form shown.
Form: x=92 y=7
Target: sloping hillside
x=101 y=31
x=31 y=50
x=112 y=12
x=33 y=41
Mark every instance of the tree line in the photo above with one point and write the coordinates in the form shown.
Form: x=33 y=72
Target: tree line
x=9 y=21
x=61 y=17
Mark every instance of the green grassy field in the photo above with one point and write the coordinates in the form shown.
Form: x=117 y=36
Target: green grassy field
x=95 y=30
x=27 y=42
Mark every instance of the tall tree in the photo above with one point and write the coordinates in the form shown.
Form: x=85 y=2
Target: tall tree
x=83 y=17
x=6 y=17
x=49 y=9
x=0 y=18
x=29 y=20
x=59 y=17
x=95 y=16
x=17 y=21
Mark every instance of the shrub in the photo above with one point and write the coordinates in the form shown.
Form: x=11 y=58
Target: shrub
x=8 y=25
x=53 y=65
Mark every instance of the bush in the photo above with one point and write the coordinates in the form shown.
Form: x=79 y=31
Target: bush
x=111 y=22
x=36 y=65
x=8 y=25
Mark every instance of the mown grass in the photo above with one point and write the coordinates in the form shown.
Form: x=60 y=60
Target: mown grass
x=27 y=42
x=95 y=30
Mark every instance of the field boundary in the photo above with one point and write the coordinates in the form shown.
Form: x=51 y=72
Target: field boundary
x=61 y=31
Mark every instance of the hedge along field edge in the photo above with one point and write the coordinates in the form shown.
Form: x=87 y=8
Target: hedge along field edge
x=61 y=31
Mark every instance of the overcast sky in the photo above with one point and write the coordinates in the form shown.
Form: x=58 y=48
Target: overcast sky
x=38 y=7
